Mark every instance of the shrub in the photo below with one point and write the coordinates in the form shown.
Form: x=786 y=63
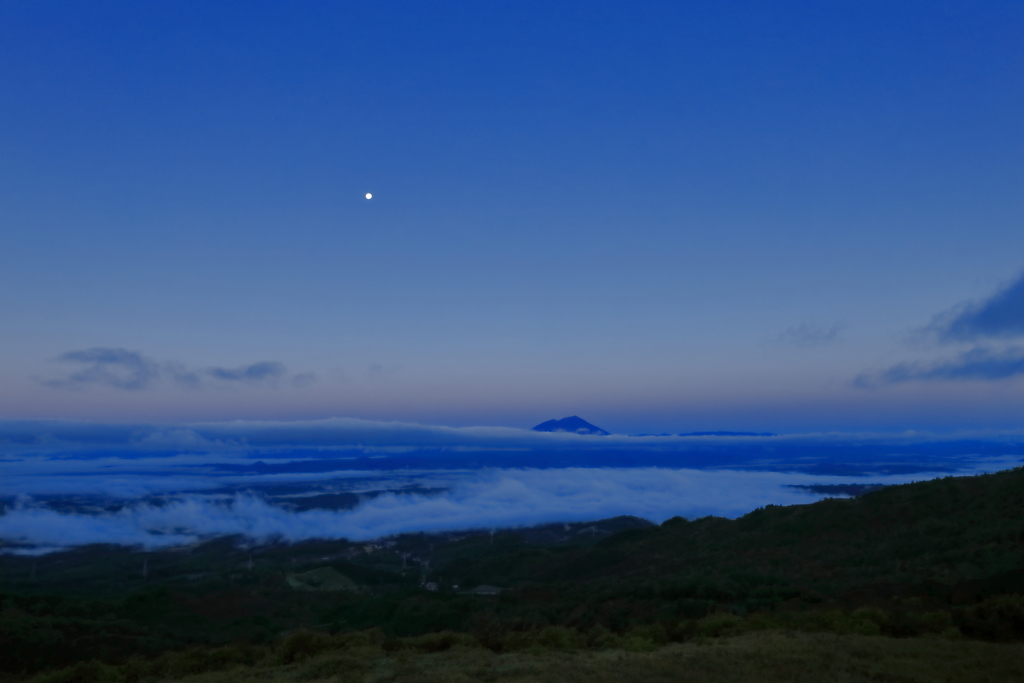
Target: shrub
x=549 y=637
x=644 y=638
x=832 y=621
x=655 y=633
x=559 y=638
x=82 y=672
x=719 y=624
x=201 y=660
x=344 y=667
x=436 y=642
x=935 y=622
x=490 y=631
x=600 y=637
x=867 y=621
x=638 y=644
x=997 y=618
x=304 y=644
x=695 y=609
x=760 y=621
x=371 y=637
x=134 y=670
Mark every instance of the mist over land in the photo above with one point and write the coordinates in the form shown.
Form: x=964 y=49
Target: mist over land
x=73 y=483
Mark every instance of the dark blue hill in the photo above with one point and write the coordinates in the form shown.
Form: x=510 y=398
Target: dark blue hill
x=576 y=425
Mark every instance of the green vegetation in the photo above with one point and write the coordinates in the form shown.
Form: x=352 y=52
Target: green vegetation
x=456 y=658
x=907 y=574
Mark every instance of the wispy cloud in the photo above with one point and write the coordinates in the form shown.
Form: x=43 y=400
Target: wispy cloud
x=811 y=335
x=381 y=371
x=975 y=364
x=119 y=368
x=116 y=368
x=303 y=379
x=989 y=324
x=1000 y=316
x=249 y=373
x=181 y=375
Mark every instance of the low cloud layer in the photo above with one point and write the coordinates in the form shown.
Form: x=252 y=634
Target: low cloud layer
x=216 y=474
x=492 y=499
x=118 y=368
x=27 y=441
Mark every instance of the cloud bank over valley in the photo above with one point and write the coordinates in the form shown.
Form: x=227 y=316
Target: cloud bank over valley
x=69 y=483
x=488 y=499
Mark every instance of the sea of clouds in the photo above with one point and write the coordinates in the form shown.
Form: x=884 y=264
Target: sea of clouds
x=186 y=483
x=487 y=499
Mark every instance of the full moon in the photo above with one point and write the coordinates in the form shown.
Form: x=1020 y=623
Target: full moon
x=369 y=196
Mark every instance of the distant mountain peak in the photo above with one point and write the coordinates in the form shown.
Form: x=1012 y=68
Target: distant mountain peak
x=574 y=425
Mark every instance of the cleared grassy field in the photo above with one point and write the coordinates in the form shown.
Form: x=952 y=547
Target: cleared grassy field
x=766 y=657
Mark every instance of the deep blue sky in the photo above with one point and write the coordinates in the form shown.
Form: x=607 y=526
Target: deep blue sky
x=660 y=216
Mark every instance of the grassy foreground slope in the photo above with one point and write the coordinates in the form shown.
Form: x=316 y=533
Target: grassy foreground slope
x=764 y=657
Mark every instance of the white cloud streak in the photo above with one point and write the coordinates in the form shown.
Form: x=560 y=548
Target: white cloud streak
x=123 y=369
x=492 y=498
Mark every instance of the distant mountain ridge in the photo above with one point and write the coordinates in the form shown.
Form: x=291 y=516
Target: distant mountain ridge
x=573 y=424
x=728 y=434
x=714 y=434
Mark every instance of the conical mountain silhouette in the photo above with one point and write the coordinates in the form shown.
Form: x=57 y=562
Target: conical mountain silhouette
x=576 y=425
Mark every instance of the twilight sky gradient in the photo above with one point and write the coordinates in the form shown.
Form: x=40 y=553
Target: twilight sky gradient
x=661 y=216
